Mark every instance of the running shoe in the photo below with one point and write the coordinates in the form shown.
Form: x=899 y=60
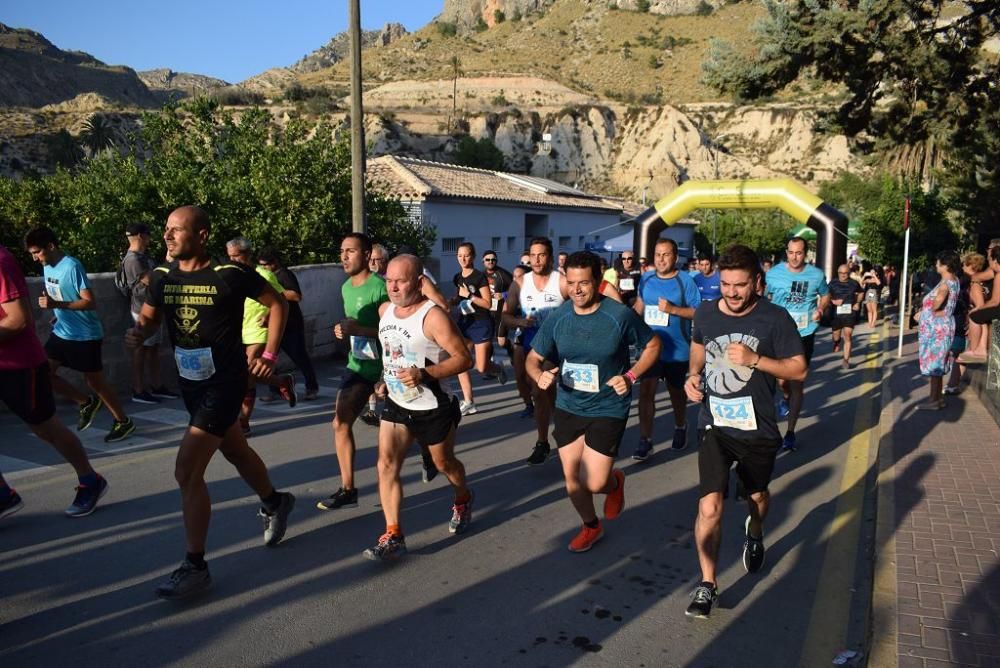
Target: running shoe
x=269 y=398
x=467 y=408
x=144 y=398
x=704 y=596
x=311 y=395
x=388 y=548
x=287 y=389
x=788 y=442
x=461 y=516
x=753 y=550
x=162 y=392
x=370 y=417
x=948 y=389
x=88 y=411
x=529 y=411
x=643 y=450
x=342 y=498
x=87 y=498
x=276 y=521
x=11 y=504
x=187 y=580
x=585 y=540
x=501 y=373
x=680 y=438
x=783 y=409
x=430 y=469
x=614 y=502
x=540 y=454
x=120 y=430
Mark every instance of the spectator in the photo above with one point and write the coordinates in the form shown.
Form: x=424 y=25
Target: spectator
x=937 y=328
x=990 y=310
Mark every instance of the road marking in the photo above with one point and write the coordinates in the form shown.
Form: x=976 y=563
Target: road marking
x=827 y=632
x=171 y=416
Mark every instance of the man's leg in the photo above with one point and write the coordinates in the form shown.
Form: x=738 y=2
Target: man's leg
x=102 y=388
x=707 y=534
x=758 y=504
x=796 y=392
x=465 y=383
x=350 y=402
x=66 y=443
x=678 y=401
x=138 y=364
x=393 y=441
x=196 y=451
x=294 y=345
x=647 y=407
x=848 y=344
x=571 y=456
x=63 y=388
x=153 y=360
x=544 y=402
x=249 y=465
x=521 y=375
x=444 y=458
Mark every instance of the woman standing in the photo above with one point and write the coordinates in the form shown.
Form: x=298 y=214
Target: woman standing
x=937 y=328
x=872 y=284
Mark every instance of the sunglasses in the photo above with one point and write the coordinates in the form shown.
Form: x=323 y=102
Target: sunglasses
x=489 y=259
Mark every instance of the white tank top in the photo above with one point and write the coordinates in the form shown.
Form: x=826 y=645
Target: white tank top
x=404 y=345
x=539 y=303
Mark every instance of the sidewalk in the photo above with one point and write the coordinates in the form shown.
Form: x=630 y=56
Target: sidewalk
x=937 y=581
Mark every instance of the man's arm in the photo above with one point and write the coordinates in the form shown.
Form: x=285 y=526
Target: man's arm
x=696 y=364
x=512 y=306
x=439 y=328
x=262 y=367
x=429 y=290
x=16 y=320
x=86 y=302
x=146 y=324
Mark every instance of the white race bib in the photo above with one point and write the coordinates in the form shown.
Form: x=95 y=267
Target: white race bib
x=581 y=377
x=654 y=317
x=364 y=348
x=737 y=413
x=54 y=291
x=466 y=307
x=194 y=364
x=626 y=284
x=844 y=309
x=801 y=319
x=397 y=389
x=494 y=304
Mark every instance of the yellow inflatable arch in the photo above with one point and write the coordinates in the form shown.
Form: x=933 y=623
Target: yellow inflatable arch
x=829 y=223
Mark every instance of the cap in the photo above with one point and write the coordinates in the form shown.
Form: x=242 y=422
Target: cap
x=135 y=229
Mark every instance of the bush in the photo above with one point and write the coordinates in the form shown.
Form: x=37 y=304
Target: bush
x=703 y=9
x=234 y=96
x=642 y=6
x=481 y=25
x=499 y=16
x=446 y=29
x=482 y=154
x=500 y=100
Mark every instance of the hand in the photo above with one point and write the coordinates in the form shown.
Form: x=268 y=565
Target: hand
x=836 y=302
x=620 y=385
x=665 y=305
x=741 y=355
x=817 y=315
x=261 y=368
x=344 y=328
x=380 y=389
x=43 y=301
x=546 y=378
x=133 y=337
x=692 y=387
x=410 y=377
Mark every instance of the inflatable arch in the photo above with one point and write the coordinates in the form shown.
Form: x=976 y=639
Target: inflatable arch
x=829 y=223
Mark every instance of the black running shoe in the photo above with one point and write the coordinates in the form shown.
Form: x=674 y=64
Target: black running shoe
x=120 y=431
x=276 y=521
x=540 y=454
x=753 y=550
x=701 y=604
x=680 y=438
x=186 y=581
x=342 y=498
x=643 y=450
x=86 y=498
x=388 y=548
x=11 y=505
x=162 y=392
x=429 y=467
x=88 y=411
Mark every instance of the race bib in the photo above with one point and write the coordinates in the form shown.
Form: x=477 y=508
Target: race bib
x=466 y=307
x=397 y=390
x=801 y=319
x=494 y=303
x=737 y=413
x=844 y=309
x=54 y=291
x=654 y=317
x=364 y=348
x=581 y=377
x=626 y=284
x=194 y=364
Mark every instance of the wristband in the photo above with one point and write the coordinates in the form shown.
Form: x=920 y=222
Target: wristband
x=269 y=356
x=631 y=376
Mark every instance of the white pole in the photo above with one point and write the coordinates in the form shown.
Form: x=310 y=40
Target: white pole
x=904 y=291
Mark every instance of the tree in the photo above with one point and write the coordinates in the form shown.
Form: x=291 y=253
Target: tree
x=764 y=231
x=63 y=149
x=98 y=134
x=483 y=154
x=456 y=69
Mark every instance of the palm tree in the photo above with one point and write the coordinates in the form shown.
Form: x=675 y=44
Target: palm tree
x=456 y=68
x=98 y=134
x=63 y=149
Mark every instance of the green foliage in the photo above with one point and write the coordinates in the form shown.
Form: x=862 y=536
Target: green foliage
x=289 y=187
x=654 y=62
x=642 y=6
x=446 y=29
x=483 y=154
x=499 y=100
x=234 y=96
x=98 y=134
x=481 y=25
x=499 y=16
x=63 y=149
x=516 y=16
x=703 y=9
x=764 y=231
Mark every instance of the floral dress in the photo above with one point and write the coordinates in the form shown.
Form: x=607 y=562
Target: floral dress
x=937 y=331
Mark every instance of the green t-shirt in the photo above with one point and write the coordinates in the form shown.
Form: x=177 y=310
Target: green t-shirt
x=361 y=303
x=254 y=312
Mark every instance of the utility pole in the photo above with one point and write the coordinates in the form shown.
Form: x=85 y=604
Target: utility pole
x=358 y=222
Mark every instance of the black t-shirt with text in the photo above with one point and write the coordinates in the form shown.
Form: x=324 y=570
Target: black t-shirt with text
x=204 y=309
x=470 y=286
x=739 y=395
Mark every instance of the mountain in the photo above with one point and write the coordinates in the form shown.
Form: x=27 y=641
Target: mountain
x=182 y=83
x=339 y=47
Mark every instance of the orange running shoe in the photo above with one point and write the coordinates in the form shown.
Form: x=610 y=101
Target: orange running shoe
x=586 y=538
x=614 y=502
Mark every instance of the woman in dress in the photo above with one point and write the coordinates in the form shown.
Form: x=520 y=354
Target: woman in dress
x=937 y=328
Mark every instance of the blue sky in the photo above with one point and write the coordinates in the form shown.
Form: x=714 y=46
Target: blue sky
x=221 y=38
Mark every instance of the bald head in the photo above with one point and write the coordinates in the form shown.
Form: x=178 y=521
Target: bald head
x=196 y=216
x=404 y=280
x=410 y=264
x=186 y=232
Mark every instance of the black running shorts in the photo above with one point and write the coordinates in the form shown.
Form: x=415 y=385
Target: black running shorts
x=82 y=356
x=673 y=373
x=214 y=407
x=428 y=427
x=717 y=451
x=28 y=393
x=601 y=434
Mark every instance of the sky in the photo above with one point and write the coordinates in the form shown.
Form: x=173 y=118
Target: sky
x=226 y=39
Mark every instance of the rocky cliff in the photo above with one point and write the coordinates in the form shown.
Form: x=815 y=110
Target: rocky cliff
x=470 y=14
x=167 y=81
x=339 y=47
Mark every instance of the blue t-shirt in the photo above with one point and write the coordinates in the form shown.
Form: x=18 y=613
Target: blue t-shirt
x=590 y=350
x=674 y=332
x=708 y=286
x=64 y=282
x=798 y=293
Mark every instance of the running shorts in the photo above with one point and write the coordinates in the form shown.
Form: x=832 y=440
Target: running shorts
x=214 y=407
x=601 y=434
x=28 y=393
x=82 y=356
x=717 y=451
x=429 y=427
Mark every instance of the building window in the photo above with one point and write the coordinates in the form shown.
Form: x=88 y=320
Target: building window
x=451 y=244
x=511 y=244
x=564 y=242
x=495 y=244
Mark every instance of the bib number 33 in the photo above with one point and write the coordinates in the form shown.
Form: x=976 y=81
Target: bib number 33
x=581 y=377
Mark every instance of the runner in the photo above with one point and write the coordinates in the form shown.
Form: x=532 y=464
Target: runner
x=801 y=290
x=77 y=335
x=202 y=303
x=379 y=260
x=590 y=337
x=26 y=389
x=667 y=300
x=499 y=280
x=420 y=347
x=707 y=279
x=474 y=302
x=628 y=279
x=741 y=343
x=363 y=292
x=845 y=304
x=538 y=294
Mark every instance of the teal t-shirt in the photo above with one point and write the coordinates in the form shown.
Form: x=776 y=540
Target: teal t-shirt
x=64 y=282
x=591 y=349
x=361 y=303
x=798 y=293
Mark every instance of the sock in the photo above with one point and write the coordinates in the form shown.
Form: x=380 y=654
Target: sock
x=459 y=500
x=394 y=530
x=90 y=480
x=592 y=524
x=273 y=501
x=197 y=559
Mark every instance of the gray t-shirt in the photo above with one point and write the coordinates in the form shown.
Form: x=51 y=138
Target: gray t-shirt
x=740 y=400
x=136 y=265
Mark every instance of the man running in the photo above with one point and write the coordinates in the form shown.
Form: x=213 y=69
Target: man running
x=77 y=335
x=666 y=302
x=202 y=302
x=628 y=278
x=26 y=389
x=421 y=346
x=529 y=302
x=707 y=279
x=740 y=345
x=845 y=300
x=590 y=338
x=801 y=290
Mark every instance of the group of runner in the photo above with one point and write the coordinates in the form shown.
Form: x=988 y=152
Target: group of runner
x=712 y=338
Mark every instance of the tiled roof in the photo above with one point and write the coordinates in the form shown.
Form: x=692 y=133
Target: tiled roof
x=412 y=179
